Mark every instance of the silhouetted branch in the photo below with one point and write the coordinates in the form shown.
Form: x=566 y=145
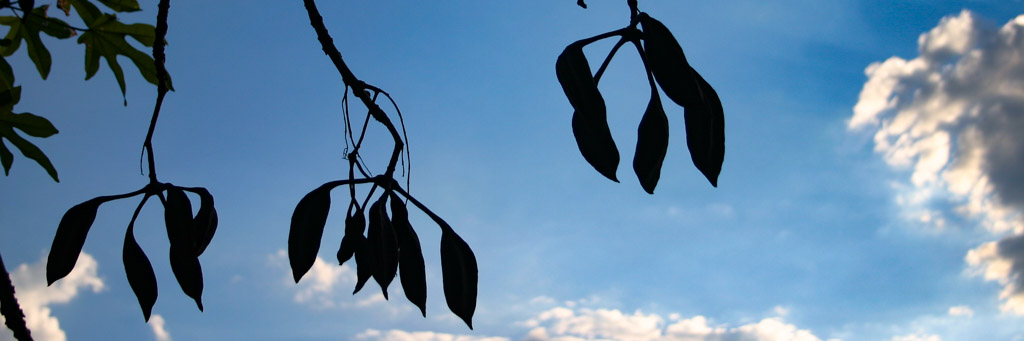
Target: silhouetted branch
x=161 y=87
x=10 y=309
x=359 y=88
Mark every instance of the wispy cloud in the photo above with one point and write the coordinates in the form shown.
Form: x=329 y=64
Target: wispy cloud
x=35 y=297
x=399 y=335
x=952 y=117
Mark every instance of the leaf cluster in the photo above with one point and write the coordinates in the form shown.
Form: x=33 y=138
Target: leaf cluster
x=667 y=68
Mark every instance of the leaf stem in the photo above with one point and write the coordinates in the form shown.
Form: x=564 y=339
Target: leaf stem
x=437 y=219
x=604 y=65
x=161 y=75
x=358 y=87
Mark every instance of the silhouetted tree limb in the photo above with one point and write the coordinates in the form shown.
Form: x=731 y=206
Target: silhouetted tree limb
x=9 y=307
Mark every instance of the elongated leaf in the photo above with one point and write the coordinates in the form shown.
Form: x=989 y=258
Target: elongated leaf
x=668 y=63
x=355 y=226
x=459 y=271
x=368 y=255
x=410 y=256
x=205 y=223
x=30 y=124
x=6 y=158
x=6 y=74
x=705 y=133
x=139 y=270
x=29 y=150
x=121 y=5
x=184 y=261
x=383 y=235
x=70 y=238
x=589 y=120
x=651 y=144
x=307 y=229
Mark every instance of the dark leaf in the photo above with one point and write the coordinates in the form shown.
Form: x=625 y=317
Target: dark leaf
x=651 y=144
x=188 y=272
x=410 y=256
x=458 y=268
x=28 y=30
x=184 y=261
x=30 y=124
x=589 y=121
x=121 y=5
x=70 y=237
x=27 y=5
x=705 y=133
x=6 y=157
x=382 y=233
x=355 y=226
x=205 y=223
x=6 y=74
x=139 y=271
x=29 y=150
x=365 y=262
x=668 y=63
x=307 y=229
x=64 y=5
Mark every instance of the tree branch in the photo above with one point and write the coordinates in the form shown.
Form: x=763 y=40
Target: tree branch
x=161 y=87
x=9 y=307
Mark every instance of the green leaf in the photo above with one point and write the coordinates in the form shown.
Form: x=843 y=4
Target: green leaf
x=8 y=98
x=70 y=238
x=589 y=120
x=30 y=124
x=121 y=5
x=307 y=228
x=29 y=150
x=6 y=74
x=651 y=144
x=28 y=30
x=13 y=35
x=106 y=38
x=6 y=158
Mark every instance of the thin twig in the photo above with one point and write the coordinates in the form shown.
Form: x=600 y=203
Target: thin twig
x=9 y=307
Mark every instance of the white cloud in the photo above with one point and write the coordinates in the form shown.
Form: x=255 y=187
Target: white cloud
x=952 y=118
x=961 y=310
x=325 y=285
x=35 y=297
x=157 y=323
x=398 y=335
x=917 y=337
x=564 y=323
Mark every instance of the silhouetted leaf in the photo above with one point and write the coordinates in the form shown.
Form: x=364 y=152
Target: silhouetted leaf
x=205 y=222
x=382 y=235
x=589 y=120
x=70 y=237
x=27 y=5
x=121 y=5
x=30 y=124
x=184 y=261
x=410 y=256
x=139 y=271
x=355 y=226
x=307 y=229
x=651 y=144
x=458 y=268
x=705 y=133
x=28 y=149
x=365 y=263
x=6 y=74
x=668 y=63
x=6 y=158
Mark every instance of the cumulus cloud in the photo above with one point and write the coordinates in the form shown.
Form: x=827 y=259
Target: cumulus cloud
x=952 y=117
x=35 y=297
x=398 y=335
x=564 y=324
x=325 y=285
x=157 y=323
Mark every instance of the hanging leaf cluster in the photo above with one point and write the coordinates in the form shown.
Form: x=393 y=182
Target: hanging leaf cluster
x=189 y=234
x=667 y=69
x=104 y=36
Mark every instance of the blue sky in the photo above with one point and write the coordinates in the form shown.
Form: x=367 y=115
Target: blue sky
x=826 y=223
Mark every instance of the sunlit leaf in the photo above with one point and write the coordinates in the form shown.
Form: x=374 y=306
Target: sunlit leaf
x=139 y=271
x=307 y=229
x=106 y=38
x=355 y=226
x=410 y=256
x=651 y=144
x=705 y=133
x=589 y=120
x=28 y=30
x=459 y=272
x=70 y=238
x=184 y=261
x=205 y=223
x=382 y=233
x=668 y=63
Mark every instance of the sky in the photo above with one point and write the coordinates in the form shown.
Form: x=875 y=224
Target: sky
x=872 y=187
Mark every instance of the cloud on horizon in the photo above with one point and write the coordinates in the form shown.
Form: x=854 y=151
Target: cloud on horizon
x=35 y=297
x=952 y=116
